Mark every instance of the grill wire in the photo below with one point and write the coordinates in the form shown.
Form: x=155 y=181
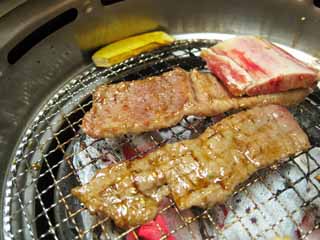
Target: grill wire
x=38 y=203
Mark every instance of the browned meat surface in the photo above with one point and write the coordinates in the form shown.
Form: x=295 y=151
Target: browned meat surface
x=211 y=98
x=162 y=101
x=198 y=172
x=139 y=106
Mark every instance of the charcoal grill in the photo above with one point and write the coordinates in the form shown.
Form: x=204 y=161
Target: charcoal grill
x=45 y=166
x=46 y=90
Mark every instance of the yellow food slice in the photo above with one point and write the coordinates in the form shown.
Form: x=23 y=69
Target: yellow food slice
x=282 y=238
x=121 y=50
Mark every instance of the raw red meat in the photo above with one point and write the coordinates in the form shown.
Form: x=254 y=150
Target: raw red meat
x=249 y=65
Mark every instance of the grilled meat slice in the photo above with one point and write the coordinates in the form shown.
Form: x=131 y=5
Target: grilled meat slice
x=138 y=106
x=162 y=101
x=198 y=172
x=211 y=101
x=249 y=65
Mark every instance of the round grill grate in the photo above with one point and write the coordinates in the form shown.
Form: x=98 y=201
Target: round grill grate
x=54 y=156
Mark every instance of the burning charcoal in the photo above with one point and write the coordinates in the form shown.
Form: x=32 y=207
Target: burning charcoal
x=310 y=220
x=253 y=220
x=152 y=230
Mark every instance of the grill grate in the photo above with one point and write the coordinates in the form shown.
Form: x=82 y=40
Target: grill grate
x=54 y=156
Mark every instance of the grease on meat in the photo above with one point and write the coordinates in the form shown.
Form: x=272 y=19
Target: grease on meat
x=199 y=172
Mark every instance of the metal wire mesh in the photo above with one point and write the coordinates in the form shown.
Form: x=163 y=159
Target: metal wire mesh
x=38 y=203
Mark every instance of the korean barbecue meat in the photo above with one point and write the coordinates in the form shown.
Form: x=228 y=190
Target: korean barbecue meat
x=162 y=101
x=199 y=172
x=250 y=65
